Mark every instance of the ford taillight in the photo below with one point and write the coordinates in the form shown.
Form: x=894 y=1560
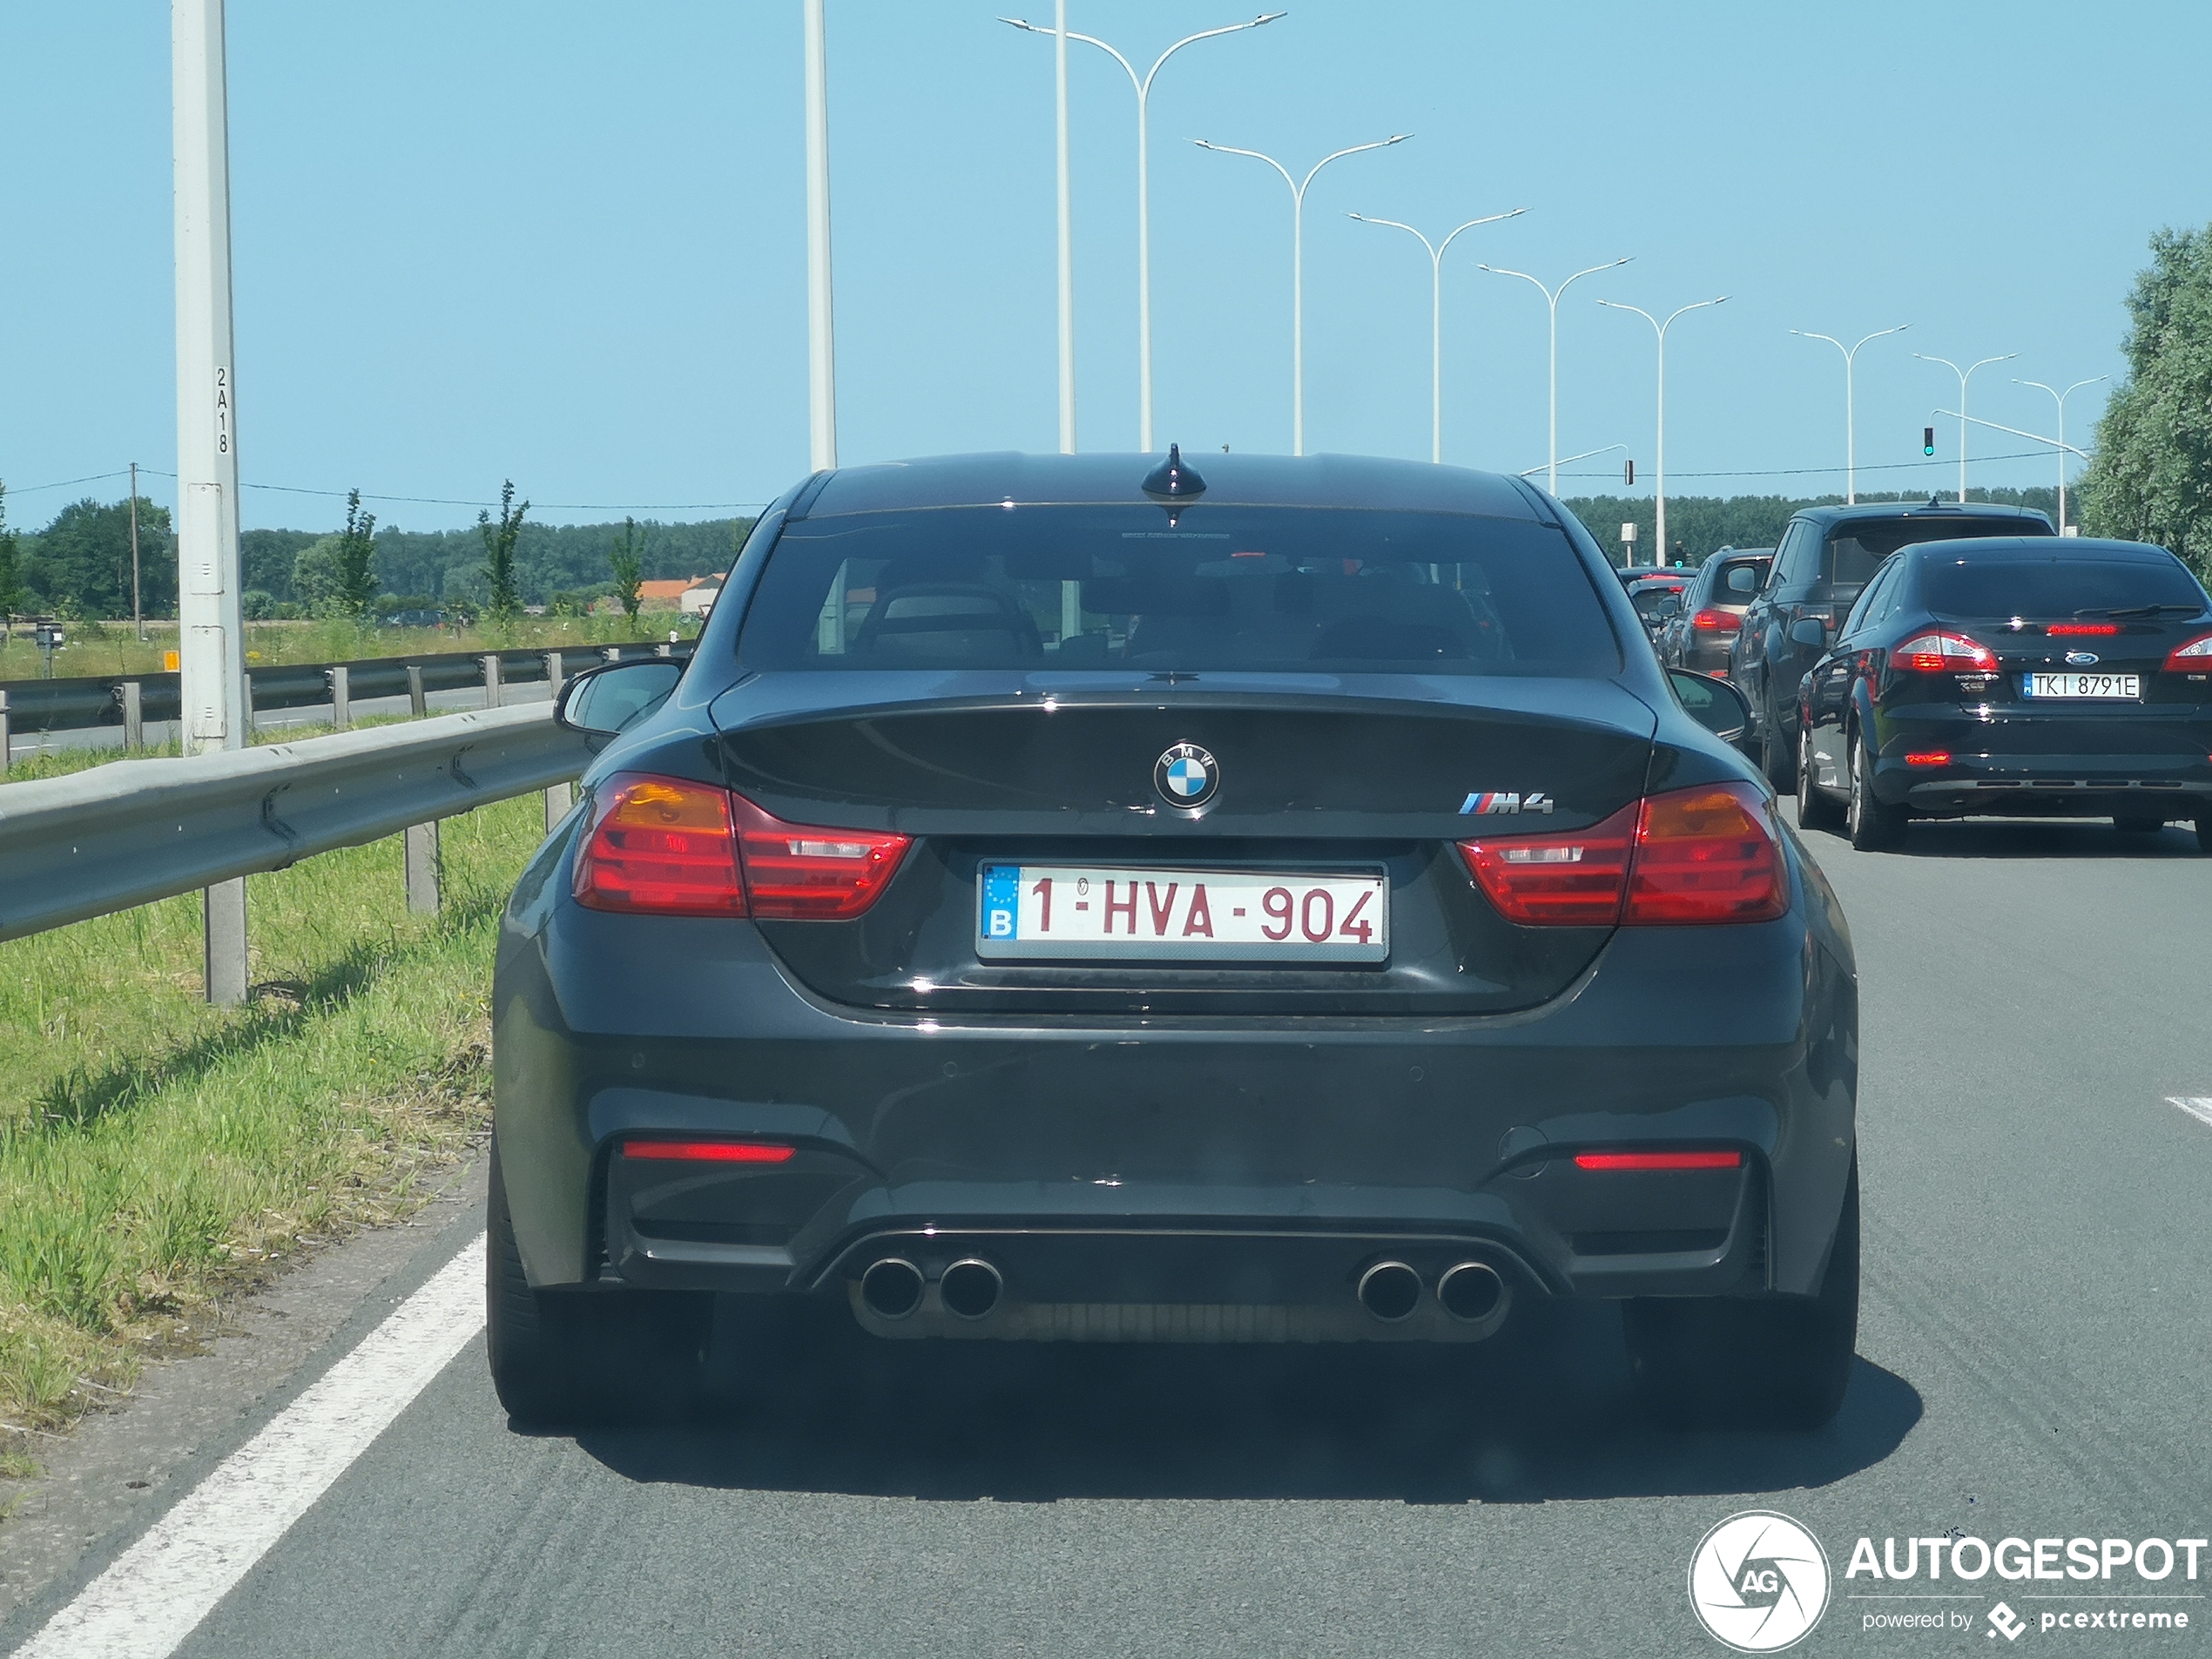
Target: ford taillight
x=1940 y=651
x=1711 y=854
x=2192 y=657
x=671 y=847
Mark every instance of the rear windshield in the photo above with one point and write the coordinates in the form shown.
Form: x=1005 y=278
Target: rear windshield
x=1215 y=587
x=1857 y=549
x=2055 y=587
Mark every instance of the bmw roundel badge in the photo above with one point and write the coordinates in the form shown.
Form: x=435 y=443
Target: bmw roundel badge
x=1186 y=776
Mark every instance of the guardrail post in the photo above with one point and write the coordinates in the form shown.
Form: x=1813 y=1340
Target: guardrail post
x=561 y=797
x=7 y=757
x=223 y=925
x=491 y=660
x=663 y=651
x=422 y=869
x=341 y=695
x=417 y=704
x=134 y=718
x=249 y=710
x=612 y=653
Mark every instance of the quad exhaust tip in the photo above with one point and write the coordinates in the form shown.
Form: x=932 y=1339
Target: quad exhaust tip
x=970 y=1288
x=1390 y=1291
x=892 y=1287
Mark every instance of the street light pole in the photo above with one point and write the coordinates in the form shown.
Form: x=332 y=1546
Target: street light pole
x=1850 y=429
x=822 y=353
x=1661 y=468
x=1964 y=375
x=1436 y=317
x=1067 y=232
x=210 y=648
x=1551 y=299
x=1143 y=84
x=2061 y=398
x=1298 y=261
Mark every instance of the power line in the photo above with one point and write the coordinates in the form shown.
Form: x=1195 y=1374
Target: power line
x=1797 y=472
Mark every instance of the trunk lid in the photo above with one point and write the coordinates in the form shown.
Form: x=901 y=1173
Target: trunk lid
x=1058 y=769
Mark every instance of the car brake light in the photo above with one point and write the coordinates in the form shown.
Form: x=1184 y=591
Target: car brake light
x=708 y=1151
x=1571 y=880
x=1658 y=1160
x=1940 y=651
x=794 y=872
x=1713 y=618
x=1932 y=758
x=670 y=846
x=2061 y=630
x=662 y=845
x=2194 y=656
x=1704 y=854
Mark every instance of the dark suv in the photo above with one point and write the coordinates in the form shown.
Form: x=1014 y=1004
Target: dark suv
x=1825 y=560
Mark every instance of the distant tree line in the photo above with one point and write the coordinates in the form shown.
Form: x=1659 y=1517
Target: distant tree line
x=80 y=564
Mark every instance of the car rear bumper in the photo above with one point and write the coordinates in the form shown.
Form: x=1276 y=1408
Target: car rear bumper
x=1176 y=1164
x=2044 y=765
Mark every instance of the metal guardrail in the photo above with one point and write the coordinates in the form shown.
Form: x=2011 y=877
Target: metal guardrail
x=131 y=831
x=77 y=703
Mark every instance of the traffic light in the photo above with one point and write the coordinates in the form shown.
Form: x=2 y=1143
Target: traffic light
x=1629 y=474
x=1927 y=439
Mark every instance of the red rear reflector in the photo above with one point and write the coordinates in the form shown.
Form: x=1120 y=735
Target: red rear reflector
x=794 y=872
x=709 y=1151
x=662 y=845
x=2194 y=656
x=2060 y=629
x=1658 y=1160
x=1705 y=854
x=1709 y=618
x=1940 y=651
x=1933 y=757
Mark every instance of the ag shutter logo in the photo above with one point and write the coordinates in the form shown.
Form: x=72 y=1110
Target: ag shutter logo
x=1758 y=1582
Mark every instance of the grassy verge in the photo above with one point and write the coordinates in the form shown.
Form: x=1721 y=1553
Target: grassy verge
x=155 y=1152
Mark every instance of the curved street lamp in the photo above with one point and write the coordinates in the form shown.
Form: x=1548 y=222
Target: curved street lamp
x=1297 y=262
x=1436 y=316
x=2061 y=398
x=1850 y=431
x=1660 y=481
x=1143 y=84
x=1551 y=299
x=1964 y=375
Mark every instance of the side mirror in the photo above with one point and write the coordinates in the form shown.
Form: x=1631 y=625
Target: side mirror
x=1744 y=578
x=1668 y=607
x=605 y=701
x=1809 y=630
x=1713 y=703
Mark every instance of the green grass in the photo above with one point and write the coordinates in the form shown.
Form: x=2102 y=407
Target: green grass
x=155 y=1152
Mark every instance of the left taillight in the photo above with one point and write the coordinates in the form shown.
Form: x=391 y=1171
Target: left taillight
x=670 y=846
x=660 y=845
x=1715 y=620
x=1689 y=856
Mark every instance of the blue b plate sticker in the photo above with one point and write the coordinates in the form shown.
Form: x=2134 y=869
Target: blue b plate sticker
x=1001 y=900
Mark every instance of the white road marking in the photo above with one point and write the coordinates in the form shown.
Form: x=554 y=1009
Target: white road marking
x=160 y=1589
x=2197 y=1106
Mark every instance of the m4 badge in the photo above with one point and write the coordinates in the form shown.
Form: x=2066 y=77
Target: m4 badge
x=1495 y=801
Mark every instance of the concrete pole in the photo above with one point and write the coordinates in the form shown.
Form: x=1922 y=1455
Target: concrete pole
x=1067 y=236
x=210 y=647
x=821 y=354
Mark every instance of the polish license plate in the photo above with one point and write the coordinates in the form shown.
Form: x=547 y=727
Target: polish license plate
x=2115 y=687
x=1091 y=913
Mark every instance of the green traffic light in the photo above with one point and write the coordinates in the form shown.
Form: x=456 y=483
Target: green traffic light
x=1927 y=439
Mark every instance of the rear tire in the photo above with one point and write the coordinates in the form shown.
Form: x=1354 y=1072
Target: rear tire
x=2138 y=823
x=2204 y=833
x=569 y=1358
x=1816 y=810
x=1773 y=1362
x=1874 y=826
x=1777 y=756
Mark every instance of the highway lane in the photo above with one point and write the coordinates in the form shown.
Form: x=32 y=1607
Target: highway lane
x=2031 y=1345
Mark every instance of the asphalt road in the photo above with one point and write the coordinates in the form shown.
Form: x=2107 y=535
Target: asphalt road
x=2033 y=1363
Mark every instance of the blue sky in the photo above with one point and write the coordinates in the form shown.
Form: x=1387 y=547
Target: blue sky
x=564 y=243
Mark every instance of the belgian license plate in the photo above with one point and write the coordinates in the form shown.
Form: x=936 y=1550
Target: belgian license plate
x=1095 y=913
x=2115 y=686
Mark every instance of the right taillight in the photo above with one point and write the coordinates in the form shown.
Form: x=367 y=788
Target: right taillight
x=1715 y=620
x=673 y=847
x=1940 y=651
x=2191 y=657
x=1686 y=857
